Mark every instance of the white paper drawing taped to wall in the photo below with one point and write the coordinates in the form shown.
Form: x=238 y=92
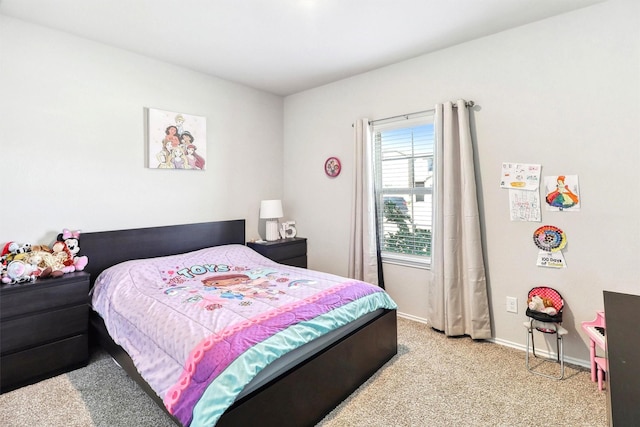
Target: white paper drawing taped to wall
x=562 y=193
x=520 y=176
x=524 y=205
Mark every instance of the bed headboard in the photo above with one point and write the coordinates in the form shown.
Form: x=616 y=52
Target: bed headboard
x=107 y=248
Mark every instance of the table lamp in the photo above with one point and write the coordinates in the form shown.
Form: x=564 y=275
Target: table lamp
x=271 y=210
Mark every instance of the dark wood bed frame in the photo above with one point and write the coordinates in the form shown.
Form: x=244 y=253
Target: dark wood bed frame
x=304 y=394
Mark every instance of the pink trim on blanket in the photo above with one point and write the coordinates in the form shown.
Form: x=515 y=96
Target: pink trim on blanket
x=198 y=352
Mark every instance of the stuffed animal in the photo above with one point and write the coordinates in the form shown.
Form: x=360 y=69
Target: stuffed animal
x=71 y=240
x=46 y=262
x=12 y=250
x=43 y=248
x=13 y=268
x=18 y=271
x=542 y=305
x=6 y=254
x=62 y=253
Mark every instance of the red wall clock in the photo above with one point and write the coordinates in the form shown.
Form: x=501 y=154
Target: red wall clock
x=332 y=167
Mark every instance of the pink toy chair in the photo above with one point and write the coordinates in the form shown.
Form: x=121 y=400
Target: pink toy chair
x=547 y=323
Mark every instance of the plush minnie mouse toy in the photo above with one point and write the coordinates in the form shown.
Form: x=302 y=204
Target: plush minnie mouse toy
x=71 y=241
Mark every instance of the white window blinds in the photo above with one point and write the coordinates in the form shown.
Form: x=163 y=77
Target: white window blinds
x=404 y=171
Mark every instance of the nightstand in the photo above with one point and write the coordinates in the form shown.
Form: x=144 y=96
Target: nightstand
x=291 y=251
x=43 y=329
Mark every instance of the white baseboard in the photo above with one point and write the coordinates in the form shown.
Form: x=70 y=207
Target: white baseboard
x=568 y=360
x=411 y=317
x=521 y=347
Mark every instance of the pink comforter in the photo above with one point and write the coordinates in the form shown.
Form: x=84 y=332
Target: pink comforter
x=200 y=325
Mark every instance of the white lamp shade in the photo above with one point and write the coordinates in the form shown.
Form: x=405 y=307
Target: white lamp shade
x=271 y=209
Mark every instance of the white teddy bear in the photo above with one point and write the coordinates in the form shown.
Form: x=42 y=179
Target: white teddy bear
x=536 y=303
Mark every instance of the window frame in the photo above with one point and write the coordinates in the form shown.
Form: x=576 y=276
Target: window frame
x=409 y=121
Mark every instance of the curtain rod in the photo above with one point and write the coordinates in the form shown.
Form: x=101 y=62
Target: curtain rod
x=469 y=104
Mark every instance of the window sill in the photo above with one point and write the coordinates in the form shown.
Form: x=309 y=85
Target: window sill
x=406 y=261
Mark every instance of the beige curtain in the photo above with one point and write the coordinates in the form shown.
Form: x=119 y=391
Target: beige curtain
x=363 y=260
x=458 y=302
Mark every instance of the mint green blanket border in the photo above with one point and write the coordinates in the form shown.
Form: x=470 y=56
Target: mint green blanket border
x=222 y=392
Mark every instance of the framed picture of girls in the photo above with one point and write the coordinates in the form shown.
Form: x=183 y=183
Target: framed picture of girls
x=176 y=140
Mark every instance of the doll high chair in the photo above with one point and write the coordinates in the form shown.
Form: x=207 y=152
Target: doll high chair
x=544 y=309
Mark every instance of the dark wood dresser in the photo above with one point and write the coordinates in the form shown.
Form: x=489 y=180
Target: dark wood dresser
x=622 y=314
x=291 y=251
x=43 y=329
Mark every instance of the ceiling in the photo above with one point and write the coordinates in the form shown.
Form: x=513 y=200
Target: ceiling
x=284 y=46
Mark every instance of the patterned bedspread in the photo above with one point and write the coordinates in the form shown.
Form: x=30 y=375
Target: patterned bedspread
x=199 y=326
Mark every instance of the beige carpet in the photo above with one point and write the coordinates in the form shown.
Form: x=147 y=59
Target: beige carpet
x=440 y=381
x=53 y=402
x=433 y=381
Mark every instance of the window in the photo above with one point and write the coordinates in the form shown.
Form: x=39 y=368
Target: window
x=404 y=186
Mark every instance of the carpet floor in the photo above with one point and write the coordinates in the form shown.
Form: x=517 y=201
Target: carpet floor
x=433 y=381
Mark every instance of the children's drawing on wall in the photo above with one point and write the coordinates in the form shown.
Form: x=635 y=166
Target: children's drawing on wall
x=524 y=205
x=176 y=140
x=523 y=182
x=520 y=176
x=562 y=193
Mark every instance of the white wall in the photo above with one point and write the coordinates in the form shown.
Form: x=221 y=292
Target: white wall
x=72 y=140
x=563 y=92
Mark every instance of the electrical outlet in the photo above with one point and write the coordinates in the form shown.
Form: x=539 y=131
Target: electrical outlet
x=512 y=304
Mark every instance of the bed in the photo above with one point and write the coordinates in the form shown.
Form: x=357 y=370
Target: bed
x=297 y=389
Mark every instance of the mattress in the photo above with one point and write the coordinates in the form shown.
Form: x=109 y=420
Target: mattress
x=202 y=326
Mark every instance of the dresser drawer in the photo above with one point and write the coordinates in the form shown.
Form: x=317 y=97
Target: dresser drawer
x=34 y=364
x=71 y=289
x=27 y=331
x=281 y=249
